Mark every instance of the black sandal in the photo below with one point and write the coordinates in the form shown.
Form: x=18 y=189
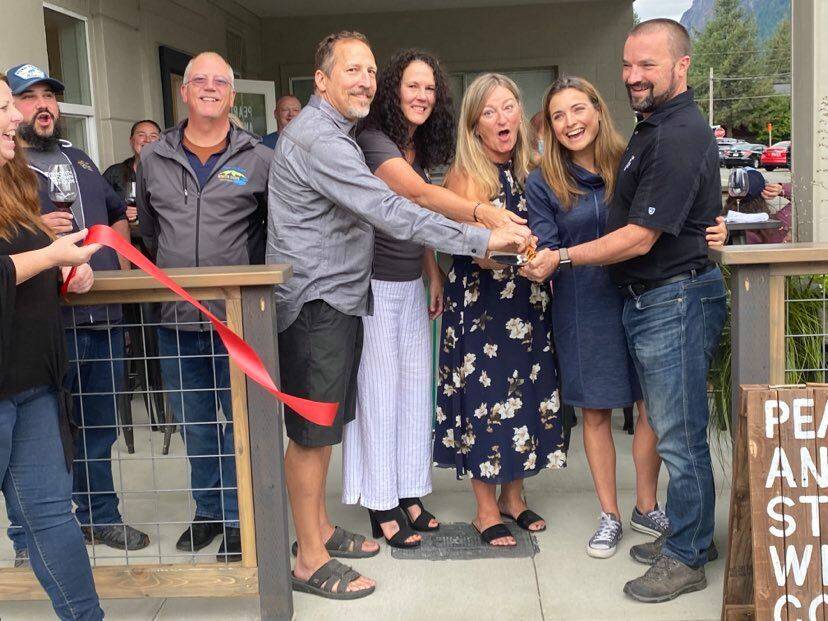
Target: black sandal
x=323 y=580
x=526 y=518
x=498 y=531
x=422 y=523
x=343 y=544
x=398 y=539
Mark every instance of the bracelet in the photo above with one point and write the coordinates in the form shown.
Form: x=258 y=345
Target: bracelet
x=474 y=213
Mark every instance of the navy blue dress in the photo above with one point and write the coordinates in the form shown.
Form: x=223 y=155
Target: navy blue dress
x=498 y=416
x=595 y=365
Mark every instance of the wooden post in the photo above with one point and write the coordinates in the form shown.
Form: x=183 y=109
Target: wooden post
x=267 y=462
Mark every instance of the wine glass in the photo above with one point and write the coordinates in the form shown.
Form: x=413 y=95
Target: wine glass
x=63 y=186
x=129 y=197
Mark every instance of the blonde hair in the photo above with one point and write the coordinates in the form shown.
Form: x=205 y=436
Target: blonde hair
x=609 y=146
x=471 y=159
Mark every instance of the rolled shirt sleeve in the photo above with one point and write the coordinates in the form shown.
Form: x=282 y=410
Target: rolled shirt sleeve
x=668 y=182
x=338 y=172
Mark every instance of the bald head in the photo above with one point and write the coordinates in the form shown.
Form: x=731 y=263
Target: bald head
x=211 y=60
x=677 y=36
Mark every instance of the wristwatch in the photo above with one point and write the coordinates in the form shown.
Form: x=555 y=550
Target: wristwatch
x=565 y=261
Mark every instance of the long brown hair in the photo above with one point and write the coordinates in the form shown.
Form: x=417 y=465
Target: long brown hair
x=19 y=200
x=609 y=146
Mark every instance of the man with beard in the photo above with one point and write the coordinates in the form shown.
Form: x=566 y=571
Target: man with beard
x=668 y=191
x=93 y=334
x=323 y=206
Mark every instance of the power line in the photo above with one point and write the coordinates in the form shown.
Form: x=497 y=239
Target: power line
x=752 y=77
x=747 y=97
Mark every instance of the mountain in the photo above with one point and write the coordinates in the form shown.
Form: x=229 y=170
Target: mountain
x=768 y=14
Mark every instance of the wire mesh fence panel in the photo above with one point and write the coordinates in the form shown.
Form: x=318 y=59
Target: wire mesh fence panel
x=805 y=328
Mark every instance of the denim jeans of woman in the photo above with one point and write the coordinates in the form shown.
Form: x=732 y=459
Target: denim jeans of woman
x=38 y=488
x=672 y=332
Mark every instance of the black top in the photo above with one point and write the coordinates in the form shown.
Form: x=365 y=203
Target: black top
x=31 y=332
x=118 y=175
x=394 y=260
x=668 y=180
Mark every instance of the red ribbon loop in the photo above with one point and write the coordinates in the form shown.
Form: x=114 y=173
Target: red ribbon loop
x=239 y=351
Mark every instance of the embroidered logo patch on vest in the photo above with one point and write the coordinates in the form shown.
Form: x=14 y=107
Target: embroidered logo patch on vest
x=86 y=165
x=233 y=174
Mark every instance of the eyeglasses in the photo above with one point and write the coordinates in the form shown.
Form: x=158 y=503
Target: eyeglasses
x=201 y=81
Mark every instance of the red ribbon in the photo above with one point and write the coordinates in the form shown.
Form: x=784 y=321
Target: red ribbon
x=239 y=351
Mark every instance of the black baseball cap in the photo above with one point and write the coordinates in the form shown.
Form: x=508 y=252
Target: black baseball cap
x=22 y=77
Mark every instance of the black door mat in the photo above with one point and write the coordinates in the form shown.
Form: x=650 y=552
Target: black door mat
x=460 y=541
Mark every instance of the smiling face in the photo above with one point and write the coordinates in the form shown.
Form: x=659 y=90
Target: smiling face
x=10 y=118
x=352 y=83
x=287 y=108
x=418 y=92
x=497 y=126
x=208 y=92
x=575 y=120
x=652 y=73
x=39 y=106
x=144 y=133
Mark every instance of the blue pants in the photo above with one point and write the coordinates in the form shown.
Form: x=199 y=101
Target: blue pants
x=95 y=374
x=38 y=488
x=197 y=379
x=672 y=332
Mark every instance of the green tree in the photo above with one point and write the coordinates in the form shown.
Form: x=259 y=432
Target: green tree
x=729 y=45
x=776 y=110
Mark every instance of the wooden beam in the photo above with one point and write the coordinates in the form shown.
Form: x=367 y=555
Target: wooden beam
x=815 y=254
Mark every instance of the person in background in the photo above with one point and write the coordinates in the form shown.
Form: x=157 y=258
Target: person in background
x=676 y=302
x=536 y=123
x=122 y=174
x=387 y=448
x=202 y=200
x=755 y=197
x=568 y=198
x=287 y=107
x=94 y=336
x=324 y=207
x=498 y=416
x=35 y=440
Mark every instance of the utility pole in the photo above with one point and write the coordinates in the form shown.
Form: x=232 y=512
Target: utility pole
x=710 y=103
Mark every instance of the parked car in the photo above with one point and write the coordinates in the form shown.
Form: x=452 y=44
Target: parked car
x=724 y=143
x=776 y=156
x=741 y=154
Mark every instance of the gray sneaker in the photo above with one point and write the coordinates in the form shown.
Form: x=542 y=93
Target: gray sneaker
x=653 y=522
x=118 y=536
x=605 y=540
x=647 y=553
x=665 y=580
x=21 y=558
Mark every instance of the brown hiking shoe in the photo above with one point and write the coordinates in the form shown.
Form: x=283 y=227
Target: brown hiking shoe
x=665 y=580
x=647 y=553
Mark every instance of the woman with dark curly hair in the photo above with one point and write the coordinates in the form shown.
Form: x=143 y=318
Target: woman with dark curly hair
x=387 y=449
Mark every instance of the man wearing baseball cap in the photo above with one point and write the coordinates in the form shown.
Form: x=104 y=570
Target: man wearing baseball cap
x=93 y=333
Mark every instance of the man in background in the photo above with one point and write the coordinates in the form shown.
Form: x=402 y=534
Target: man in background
x=287 y=107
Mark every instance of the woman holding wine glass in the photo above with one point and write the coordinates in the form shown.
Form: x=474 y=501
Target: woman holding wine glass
x=121 y=176
x=35 y=443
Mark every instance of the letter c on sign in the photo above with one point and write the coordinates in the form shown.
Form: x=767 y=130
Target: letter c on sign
x=819 y=599
x=780 y=604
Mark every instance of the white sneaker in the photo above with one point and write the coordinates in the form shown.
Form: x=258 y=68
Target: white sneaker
x=604 y=542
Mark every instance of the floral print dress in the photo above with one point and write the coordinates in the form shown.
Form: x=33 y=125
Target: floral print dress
x=497 y=399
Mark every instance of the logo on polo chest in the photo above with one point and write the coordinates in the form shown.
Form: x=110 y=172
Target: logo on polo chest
x=233 y=174
x=86 y=165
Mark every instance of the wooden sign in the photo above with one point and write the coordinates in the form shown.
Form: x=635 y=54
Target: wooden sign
x=778 y=553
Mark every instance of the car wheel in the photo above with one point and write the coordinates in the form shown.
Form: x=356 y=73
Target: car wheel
x=770 y=168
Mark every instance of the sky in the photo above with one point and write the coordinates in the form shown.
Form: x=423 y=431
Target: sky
x=648 y=9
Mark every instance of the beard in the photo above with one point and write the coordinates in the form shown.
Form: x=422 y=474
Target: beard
x=360 y=112
x=39 y=142
x=650 y=101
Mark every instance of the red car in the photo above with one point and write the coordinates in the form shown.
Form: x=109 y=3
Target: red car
x=776 y=156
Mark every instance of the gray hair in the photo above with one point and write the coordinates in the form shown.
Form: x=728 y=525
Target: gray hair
x=189 y=67
x=325 y=49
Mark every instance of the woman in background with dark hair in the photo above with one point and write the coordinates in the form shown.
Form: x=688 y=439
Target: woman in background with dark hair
x=387 y=449
x=35 y=443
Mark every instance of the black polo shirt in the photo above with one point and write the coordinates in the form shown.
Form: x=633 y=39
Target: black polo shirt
x=668 y=180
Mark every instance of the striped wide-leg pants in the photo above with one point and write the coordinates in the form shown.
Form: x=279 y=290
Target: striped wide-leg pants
x=387 y=448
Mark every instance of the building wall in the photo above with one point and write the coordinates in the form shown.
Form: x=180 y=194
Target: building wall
x=581 y=38
x=124 y=39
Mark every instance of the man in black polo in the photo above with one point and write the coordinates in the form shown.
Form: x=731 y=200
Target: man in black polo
x=668 y=191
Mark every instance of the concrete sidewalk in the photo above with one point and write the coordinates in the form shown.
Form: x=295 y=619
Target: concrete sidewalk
x=561 y=582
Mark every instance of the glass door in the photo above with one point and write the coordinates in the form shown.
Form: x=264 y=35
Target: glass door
x=254 y=105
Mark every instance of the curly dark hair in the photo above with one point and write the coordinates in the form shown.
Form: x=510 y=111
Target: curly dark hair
x=434 y=139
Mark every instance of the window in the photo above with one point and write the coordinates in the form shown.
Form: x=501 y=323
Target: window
x=67 y=47
x=302 y=88
x=531 y=82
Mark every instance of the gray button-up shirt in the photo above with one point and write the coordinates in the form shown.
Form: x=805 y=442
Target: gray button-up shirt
x=323 y=205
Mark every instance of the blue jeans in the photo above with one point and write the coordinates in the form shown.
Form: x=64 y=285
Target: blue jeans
x=94 y=355
x=196 y=375
x=38 y=489
x=672 y=333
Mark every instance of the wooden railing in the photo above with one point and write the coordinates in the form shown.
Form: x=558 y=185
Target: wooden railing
x=257 y=419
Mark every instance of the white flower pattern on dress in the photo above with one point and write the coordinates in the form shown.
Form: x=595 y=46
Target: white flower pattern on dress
x=490 y=349
x=508 y=291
